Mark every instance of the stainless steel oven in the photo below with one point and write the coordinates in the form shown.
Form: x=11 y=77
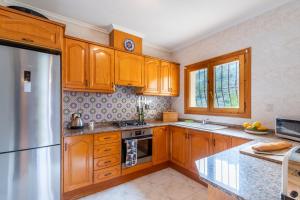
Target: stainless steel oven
x=144 y=145
x=288 y=128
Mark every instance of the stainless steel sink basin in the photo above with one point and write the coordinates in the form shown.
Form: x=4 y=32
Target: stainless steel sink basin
x=208 y=127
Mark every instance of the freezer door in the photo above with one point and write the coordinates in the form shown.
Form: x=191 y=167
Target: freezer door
x=30 y=175
x=30 y=99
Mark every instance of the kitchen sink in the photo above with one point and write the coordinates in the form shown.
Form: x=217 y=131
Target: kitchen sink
x=208 y=127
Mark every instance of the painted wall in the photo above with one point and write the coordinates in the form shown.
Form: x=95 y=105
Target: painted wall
x=275 y=41
x=121 y=105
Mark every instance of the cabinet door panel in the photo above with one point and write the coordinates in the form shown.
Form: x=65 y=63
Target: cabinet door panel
x=178 y=145
x=174 y=79
x=152 y=76
x=199 y=147
x=238 y=141
x=78 y=162
x=101 y=68
x=129 y=69
x=165 y=78
x=160 y=145
x=221 y=143
x=76 y=61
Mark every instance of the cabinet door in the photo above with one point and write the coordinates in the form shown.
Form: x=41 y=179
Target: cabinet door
x=78 y=162
x=235 y=141
x=174 y=79
x=178 y=145
x=165 y=78
x=200 y=146
x=160 y=145
x=76 y=61
x=152 y=76
x=129 y=69
x=221 y=143
x=101 y=71
x=28 y=30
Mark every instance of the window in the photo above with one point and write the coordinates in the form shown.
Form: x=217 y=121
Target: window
x=220 y=86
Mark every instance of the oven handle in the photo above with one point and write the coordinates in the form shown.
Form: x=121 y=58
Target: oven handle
x=138 y=139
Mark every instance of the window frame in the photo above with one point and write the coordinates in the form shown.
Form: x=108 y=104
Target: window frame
x=244 y=111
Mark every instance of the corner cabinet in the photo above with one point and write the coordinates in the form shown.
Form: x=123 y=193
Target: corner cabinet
x=101 y=70
x=129 y=69
x=174 y=79
x=160 y=145
x=178 y=145
x=75 y=62
x=78 y=162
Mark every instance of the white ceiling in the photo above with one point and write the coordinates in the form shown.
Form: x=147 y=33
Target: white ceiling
x=170 y=24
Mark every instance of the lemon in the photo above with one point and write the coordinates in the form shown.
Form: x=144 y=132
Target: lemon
x=246 y=124
x=262 y=128
x=256 y=124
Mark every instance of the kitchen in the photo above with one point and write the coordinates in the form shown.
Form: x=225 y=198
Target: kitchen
x=108 y=107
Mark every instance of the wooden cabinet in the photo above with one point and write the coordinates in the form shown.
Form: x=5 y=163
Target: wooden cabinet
x=178 y=145
x=22 y=28
x=101 y=70
x=160 y=145
x=88 y=67
x=152 y=76
x=174 y=79
x=165 y=78
x=107 y=173
x=199 y=146
x=78 y=162
x=235 y=141
x=221 y=143
x=129 y=69
x=75 y=63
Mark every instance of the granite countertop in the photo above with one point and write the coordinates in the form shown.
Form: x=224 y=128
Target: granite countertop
x=240 y=175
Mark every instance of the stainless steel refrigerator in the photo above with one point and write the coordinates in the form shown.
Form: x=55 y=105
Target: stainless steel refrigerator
x=30 y=104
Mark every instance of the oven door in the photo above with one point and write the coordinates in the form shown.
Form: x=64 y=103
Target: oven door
x=144 y=149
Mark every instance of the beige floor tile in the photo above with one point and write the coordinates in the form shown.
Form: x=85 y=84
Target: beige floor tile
x=166 y=184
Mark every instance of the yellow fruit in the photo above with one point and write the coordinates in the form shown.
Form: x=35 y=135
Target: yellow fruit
x=249 y=127
x=246 y=124
x=262 y=128
x=256 y=124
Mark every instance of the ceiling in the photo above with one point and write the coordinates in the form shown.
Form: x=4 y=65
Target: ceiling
x=171 y=24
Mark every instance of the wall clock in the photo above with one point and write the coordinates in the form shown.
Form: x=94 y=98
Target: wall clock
x=129 y=45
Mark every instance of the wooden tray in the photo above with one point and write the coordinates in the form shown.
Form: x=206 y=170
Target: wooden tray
x=277 y=159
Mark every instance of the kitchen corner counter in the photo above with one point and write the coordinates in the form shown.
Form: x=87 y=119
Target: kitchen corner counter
x=242 y=176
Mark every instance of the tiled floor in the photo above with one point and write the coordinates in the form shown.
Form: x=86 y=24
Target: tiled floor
x=166 y=184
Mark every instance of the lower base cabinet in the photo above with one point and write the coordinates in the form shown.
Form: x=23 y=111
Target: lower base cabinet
x=78 y=162
x=160 y=145
x=107 y=173
x=178 y=146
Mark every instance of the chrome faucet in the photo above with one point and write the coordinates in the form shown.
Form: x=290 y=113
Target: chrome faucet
x=204 y=121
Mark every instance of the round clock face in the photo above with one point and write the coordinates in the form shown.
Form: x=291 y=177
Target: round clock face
x=129 y=44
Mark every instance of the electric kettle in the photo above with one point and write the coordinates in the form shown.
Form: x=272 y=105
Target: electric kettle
x=76 y=121
x=291 y=175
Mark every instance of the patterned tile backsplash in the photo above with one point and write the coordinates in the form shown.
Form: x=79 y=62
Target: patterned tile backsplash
x=121 y=105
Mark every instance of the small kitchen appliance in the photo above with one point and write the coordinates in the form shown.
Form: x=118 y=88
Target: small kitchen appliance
x=76 y=121
x=288 y=128
x=291 y=175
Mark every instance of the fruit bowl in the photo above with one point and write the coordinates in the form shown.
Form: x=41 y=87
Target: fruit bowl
x=255 y=128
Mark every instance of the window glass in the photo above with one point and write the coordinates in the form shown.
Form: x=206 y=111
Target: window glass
x=198 y=88
x=226 y=85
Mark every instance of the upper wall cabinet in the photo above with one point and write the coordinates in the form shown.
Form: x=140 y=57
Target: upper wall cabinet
x=75 y=62
x=101 y=69
x=129 y=69
x=165 y=70
x=152 y=76
x=20 y=27
x=174 y=79
x=88 y=67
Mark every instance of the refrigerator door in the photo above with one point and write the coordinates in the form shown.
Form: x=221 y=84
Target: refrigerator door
x=30 y=99
x=31 y=174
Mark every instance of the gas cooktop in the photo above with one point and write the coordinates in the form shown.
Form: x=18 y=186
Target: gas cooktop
x=128 y=123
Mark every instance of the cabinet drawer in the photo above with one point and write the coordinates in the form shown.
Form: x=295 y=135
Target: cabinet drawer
x=108 y=161
x=29 y=30
x=107 y=150
x=106 y=138
x=107 y=173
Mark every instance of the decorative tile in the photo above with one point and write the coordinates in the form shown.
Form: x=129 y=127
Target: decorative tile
x=121 y=105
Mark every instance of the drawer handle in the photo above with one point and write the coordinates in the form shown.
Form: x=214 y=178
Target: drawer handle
x=107 y=174
x=106 y=162
x=107 y=150
x=27 y=40
x=107 y=138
